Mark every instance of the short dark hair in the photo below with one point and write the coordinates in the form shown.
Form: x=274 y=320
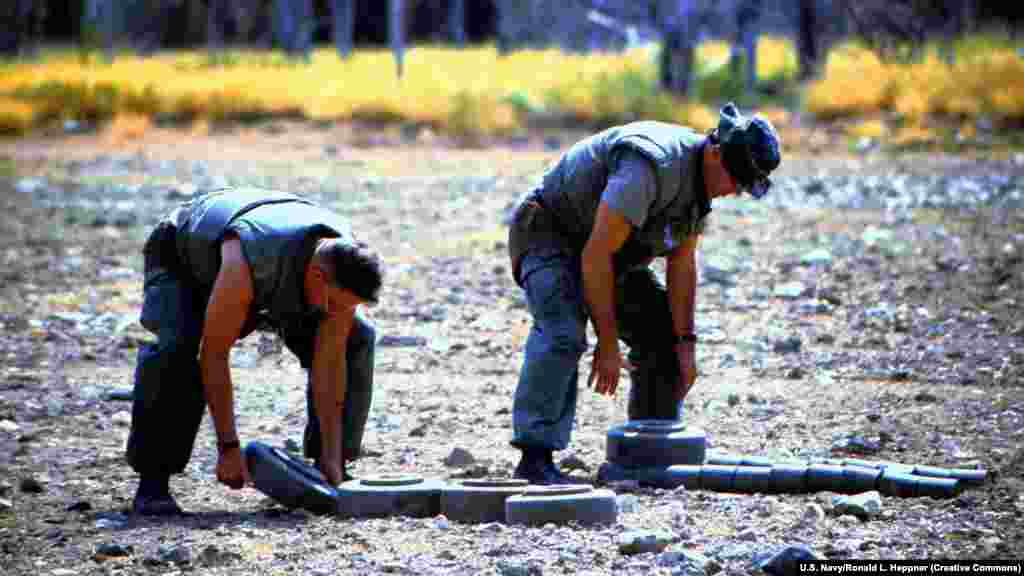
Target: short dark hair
x=353 y=266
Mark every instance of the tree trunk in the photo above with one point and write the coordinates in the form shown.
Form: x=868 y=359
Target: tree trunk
x=678 y=21
x=396 y=32
x=457 y=22
x=807 y=38
x=343 y=19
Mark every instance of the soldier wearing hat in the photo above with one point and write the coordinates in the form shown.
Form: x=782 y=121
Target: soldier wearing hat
x=580 y=245
x=217 y=268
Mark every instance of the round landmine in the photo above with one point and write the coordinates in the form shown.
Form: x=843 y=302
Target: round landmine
x=937 y=487
x=724 y=459
x=760 y=461
x=479 y=500
x=752 y=479
x=381 y=495
x=655 y=443
x=580 y=503
x=895 y=482
x=717 y=477
x=788 y=478
x=288 y=480
x=685 y=475
x=965 y=475
x=857 y=479
x=824 y=477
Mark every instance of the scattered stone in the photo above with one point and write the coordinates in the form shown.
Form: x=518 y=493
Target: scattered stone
x=748 y=535
x=9 y=426
x=292 y=445
x=687 y=563
x=30 y=185
x=30 y=485
x=112 y=550
x=441 y=522
x=865 y=506
x=214 y=556
x=459 y=458
x=817 y=257
x=733 y=399
x=811 y=307
x=643 y=541
x=925 y=397
x=515 y=568
x=121 y=395
x=122 y=418
x=392 y=341
x=785 y=561
x=856 y=443
x=80 y=506
x=627 y=503
x=6 y=505
x=813 y=513
x=718 y=273
x=177 y=555
x=790 y=290
x=788 y=345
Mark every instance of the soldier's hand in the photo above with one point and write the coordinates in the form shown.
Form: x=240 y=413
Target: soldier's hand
x=231 y=470
x=605 y=368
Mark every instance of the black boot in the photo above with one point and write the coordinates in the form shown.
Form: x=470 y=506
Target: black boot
x=549 y=464
x=537 y=467
x=153 y=497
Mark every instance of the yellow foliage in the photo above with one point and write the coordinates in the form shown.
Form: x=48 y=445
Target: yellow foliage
x=16 y=117
x=127 y=126
x=869 y=128
x=856 y=82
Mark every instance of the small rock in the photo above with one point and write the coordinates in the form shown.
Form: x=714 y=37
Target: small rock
x=80 y=506
x=813 y=514
x=747 y=535
x=459 y=458
x=925 y=397
x=643 y=541
x=111 y=550
x=733 y=399
x=573 y=462
x=790 y=290
x=687 y=563
x=63 y=572
x=441 y=522
x=514 y=568
x=816 y=257
x=788 y=345
x=30 y=485
x=121 y=395
x=785 y=561
x=392 y=341
x=864 y=506
x=856 y=443
x=627 y=503
x=292 y=445
x=214 y=556
x=5 y=505
x=122 y=418
x=177 y=555
x=30 y=185
x=718 y=274
x=9 y=426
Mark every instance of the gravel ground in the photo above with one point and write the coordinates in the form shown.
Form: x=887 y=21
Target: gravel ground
x=870 y=308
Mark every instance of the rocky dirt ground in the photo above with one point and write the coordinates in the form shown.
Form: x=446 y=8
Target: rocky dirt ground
x=872 y=307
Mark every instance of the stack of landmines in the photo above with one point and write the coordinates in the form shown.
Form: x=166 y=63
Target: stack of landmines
x=753 y=474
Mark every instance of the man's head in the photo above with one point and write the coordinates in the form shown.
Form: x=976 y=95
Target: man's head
x=748 y=149
x=341 y=275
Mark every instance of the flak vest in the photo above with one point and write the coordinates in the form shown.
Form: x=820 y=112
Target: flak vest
x=278 y=232
x=675 y=154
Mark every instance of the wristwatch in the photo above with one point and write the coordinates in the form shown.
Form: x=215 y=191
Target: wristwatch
x=686 y=338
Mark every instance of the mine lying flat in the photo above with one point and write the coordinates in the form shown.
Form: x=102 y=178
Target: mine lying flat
x=582 y=504
x=655 y=443
x=479 y=500
x=382 y=495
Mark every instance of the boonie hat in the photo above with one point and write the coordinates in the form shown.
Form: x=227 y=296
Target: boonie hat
x=750 y=149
